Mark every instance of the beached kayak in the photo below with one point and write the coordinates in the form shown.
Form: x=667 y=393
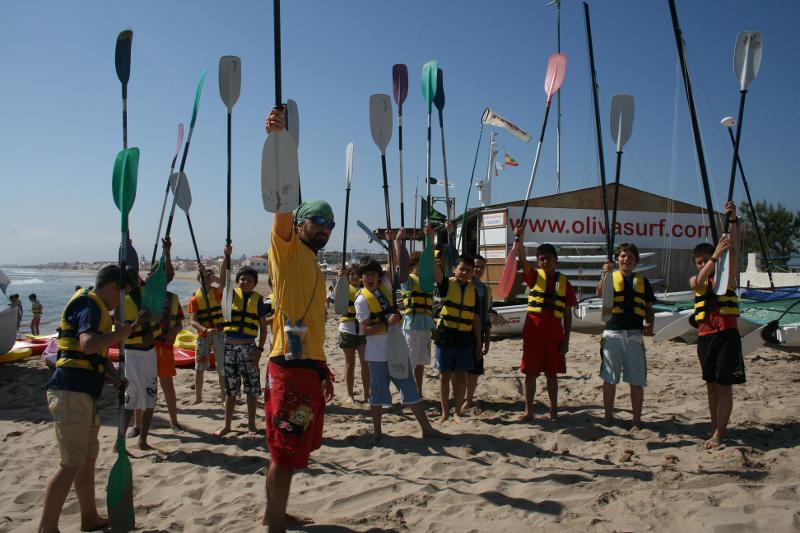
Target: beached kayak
x=15 y=355
x=183 y=358
x=36 y=346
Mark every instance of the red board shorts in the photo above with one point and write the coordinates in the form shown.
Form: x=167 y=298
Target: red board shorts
x=166 y=360
x=541 y=357
x=294 y=408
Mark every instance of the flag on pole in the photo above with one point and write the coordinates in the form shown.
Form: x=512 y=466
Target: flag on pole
x=437 y=218
x=498 y=166
x=510 y=161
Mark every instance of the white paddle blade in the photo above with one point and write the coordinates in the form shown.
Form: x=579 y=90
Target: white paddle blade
x=227 y=296
x=608 y=298
x=397 y=355
x=348 y=163
x=380 y=120
x=493 y=119
x=747 y=57
x=280 y=173
x=556 y=68
x=293 y=121
x=8 y=329
x=4 y=281
x=341 y=296
x=621 y=119
x=676 y=328
x=230 y=80
x=727 y=122
x=753 y=340
x=179 y=184
x=723 y=273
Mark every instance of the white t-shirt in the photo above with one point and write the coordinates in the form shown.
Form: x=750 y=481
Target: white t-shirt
x=377 y=345
x=348 y=326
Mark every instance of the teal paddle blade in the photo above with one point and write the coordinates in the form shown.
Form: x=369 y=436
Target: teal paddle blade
x=426 y=267
x=123 y=184
x=119 y=491
x=197 y=94
x=155 y=290
x=429 y=81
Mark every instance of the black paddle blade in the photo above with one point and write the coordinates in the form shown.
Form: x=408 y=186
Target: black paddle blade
x=122 y=56
x=438 y=100
x=400 y=83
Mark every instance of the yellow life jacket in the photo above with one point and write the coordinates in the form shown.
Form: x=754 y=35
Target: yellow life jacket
x=377 y=312
x=70 y=353
x=244 y=320
x=350 y=315
x=539 y=299
x=705 y=300
x=145 y=333
x=458 y=306
x=621 y=298
x=208 y=316
x=417 y=301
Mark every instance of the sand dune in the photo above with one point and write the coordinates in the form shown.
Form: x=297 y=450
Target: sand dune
x=494 y=474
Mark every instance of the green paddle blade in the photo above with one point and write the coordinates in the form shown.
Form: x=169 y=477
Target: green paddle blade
x=426 y=267
x=429 y=81
x=119 y=491
x=123 y=183
x=197 y=94
x=155 y=290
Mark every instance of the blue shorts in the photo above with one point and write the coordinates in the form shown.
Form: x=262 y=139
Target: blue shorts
x=455 y=359
x=379 y=393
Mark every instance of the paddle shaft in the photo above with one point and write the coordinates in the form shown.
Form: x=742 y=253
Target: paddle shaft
x=163 y=208
x=535 y=164
x=400 y=145
x=698 y=143
x=444 y=164
x=761 y=239
x=742 y=96
x=276 y=24
x=197 y=255
x=612 y=230
x=228 y=235
x=125 y=115
x=428 y=166
x=469 y=187
x=598 y=131
x=390 y=243
x=346 y=216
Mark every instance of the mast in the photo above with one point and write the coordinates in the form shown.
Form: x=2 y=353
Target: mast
x=698 y=143
x=600 y=158
x=558 y=98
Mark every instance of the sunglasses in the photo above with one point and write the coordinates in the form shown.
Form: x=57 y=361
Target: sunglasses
x=322 y=221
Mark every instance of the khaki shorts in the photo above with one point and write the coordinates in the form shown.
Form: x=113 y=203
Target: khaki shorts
x=77 y=425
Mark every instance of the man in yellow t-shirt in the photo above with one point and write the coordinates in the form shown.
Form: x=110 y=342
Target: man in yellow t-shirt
x=299 y=382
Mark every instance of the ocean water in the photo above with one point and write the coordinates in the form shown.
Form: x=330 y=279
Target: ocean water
x=55 y=287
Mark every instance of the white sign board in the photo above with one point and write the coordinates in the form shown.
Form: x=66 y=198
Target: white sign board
x=646 y=229
x=494 y=219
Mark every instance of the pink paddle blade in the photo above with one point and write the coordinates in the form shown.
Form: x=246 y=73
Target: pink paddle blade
x=509 y=273
x=556 y=68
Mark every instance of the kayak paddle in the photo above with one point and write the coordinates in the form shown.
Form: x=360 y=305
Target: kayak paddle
x=621 y=128
x=342 y=294
x=280 y=172
x=119 y=490
x=166 y=191
x=430 y=72
x=371 y=236
x=438 y=101
x=4 y=282
x=182 y=194
x=400 y=91
x=746 y=62
x=380 y=121
x=122 y=63
x=556 y=67
x=293 y=121
x=230 y=83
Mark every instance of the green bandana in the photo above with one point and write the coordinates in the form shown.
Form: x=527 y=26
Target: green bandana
x=313 y=208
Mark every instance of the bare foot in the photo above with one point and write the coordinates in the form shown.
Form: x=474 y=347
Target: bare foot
x=221 y=432
x=98 y=523
x=197 y=401
x=445 y=418
x=144 y=446
x=714 y=442
x=554 y=415
x=252 y=431
x=376 y=439
x=457 y=418
x=349 y=400
x=526 y=417
x=467 y=405
x=608 y=421
x=295 y=520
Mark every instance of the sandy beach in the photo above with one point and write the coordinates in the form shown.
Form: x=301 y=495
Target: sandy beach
x=495 y=473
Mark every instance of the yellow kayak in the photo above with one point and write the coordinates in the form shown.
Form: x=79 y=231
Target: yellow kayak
x=15 y=355
x=186 y=340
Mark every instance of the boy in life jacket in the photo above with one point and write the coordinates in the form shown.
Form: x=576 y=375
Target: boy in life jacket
x=548 y=322
x=351 y=339
x=622 y=344
x=376 y=313
x=84 y=336
x=719 y=346
x=484 y=308
x=206 y=318
x=242 y=352
x=36 y=309
x=458 y=332
x=13 y=301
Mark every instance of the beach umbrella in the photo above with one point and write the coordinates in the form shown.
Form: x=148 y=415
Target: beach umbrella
x=342 y=294
x=556 y=68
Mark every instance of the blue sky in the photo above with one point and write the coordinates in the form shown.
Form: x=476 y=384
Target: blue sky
x=60 y=119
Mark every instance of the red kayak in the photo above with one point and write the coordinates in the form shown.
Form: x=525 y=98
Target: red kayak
x=183 y=358
x=37 y=346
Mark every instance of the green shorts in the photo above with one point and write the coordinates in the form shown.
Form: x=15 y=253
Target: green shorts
x=348 y=340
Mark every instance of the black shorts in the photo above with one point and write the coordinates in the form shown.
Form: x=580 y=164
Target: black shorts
x=478 y=368
x=348 y=340
x=721 y=358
